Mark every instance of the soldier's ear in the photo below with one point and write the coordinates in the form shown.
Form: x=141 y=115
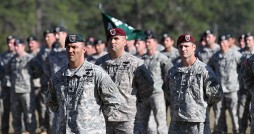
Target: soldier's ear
x=84 y=49
x=194 y=46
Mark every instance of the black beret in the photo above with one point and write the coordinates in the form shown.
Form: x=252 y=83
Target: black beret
x=229 y=35
x=10 y=37
x=73 y=38
x=242 y=36
x=185 y=38
x=150 y=34
x=248 y=34
x=207 y=32
x=223 y=37
x=31 y=38
x=47 y=32
x=98 y=41
x=90 y=41
x=60 y=29
x=166 y=35
x=19 y=41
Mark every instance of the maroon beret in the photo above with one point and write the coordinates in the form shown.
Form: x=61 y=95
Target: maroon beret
x=116 y=31
x=185 y=38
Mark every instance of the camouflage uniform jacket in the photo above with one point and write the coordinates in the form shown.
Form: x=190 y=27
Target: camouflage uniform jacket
x=226 y=67
x=95 y=56
x=22 y=71
x=190 y=91
x=204 y=54
x=56 y=59
x=157 y=66
x=78 y=99
x=173 y=55
x=41 y=57
x=132 y=79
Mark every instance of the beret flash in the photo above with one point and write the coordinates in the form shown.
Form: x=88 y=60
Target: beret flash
x=116 y=31
x=73 y=38
x=185 y=38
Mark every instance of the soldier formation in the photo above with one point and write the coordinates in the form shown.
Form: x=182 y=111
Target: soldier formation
x=120 y=86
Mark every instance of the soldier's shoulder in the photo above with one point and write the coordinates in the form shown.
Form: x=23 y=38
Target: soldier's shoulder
x=251 y=58
x=174 y=68
x=131 y=58
x=60 y=72
x=163 y=56
x=3 y=53
x=102 y=59
x=202 y=67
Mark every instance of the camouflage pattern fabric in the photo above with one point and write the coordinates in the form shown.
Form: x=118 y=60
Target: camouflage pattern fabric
x=81 y=98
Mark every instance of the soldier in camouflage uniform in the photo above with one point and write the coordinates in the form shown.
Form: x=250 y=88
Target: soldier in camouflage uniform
x=248 y=76
x=130 y=47
x=22 y=68
x=79 y=91
x=241 y=42
x=226 y=64
x=90 y=48
x=56 y=59
x=170 y=51
x=6 y=85
x=33 y=49
x=204 y=54
x=140 y=45
x=155 y=107
x=190 y=87
x=132 y=79
x=46 y=114
x=100 y=51
x=245 y=95
x=232 y=42
x=211 y=48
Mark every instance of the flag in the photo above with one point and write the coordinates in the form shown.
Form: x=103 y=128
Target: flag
x=111 y=22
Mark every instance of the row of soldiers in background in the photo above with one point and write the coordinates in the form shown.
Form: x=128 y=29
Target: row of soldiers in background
x=52 y=57
x=24 y=79
x=224 y=58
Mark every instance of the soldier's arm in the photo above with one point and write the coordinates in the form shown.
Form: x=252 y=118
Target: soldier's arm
x=211 y=63
x=46 y=67
x=2 y=70
x=247 y=74
x=37 y=69
x=168 y=65
x=165 y=88
x=144 y=82
x=109 y=95
x=239 y=60
x=212 y=88
x=51 y=98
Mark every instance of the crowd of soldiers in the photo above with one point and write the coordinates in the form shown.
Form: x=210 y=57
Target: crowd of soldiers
x=141 y=72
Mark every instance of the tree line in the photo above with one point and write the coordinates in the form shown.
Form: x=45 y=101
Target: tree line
x=31 y=17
